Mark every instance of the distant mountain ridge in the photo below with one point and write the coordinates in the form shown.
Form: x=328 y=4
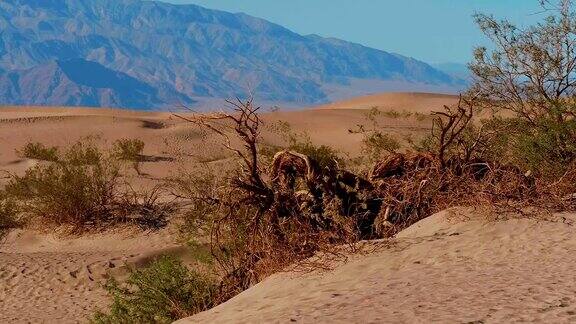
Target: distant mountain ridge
x=144 y=54
x=457 y=70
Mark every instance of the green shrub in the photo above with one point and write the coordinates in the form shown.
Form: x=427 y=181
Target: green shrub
x=82 y=153
x=547 y=149
x=8 y=213
x=39 y=151
x=161 y=293
x=376 y=144
x=200 y=213
x=129 y=149
x=394 y=114
x=325 y=155
x=79 y=188
x=420 y=116
x=528 y=73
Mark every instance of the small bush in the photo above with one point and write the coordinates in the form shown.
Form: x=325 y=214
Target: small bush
x=83 y=153
x=39 y=151
x=145 y=207
x=420 y=116
x=548 y=149
x=200 y=213
x=129 y=150
x=376 y=144
x=325 y=155
x=79 y=188
x=8 y=213
x=163 y=292
x=394 y=114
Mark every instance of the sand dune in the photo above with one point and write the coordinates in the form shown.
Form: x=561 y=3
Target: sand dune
x=165 y=134
x=50 y=279
x=454 y=267
x=409 y=101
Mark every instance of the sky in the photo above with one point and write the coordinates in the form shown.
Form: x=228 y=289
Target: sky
x=435 y=31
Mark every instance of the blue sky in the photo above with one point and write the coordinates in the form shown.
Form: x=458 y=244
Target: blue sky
x=436 y=31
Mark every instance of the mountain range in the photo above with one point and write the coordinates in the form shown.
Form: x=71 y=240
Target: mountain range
x=154 y=55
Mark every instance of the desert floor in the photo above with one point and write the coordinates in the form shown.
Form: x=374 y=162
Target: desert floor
x=458 y=266
x=446 y=269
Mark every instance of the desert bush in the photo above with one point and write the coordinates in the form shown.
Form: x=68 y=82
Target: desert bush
x=39 y=151
x=414 y=186
x=530 y=74
x=395 y=114
x=420 y=116
x=161 y=293
x=326 y=156
x=468 y=163
x=129 y=150
x=82 y=186
x=548 y=151
x=9 y=213
x=199 y=189
x=376 y=144
x=82 y=153
x=145 y=207
x=77 y=189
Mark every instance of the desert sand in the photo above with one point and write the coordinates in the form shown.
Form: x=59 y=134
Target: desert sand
x=411 y=101
x=454 y=267
x=166 y=136
x=56 y=278
x=48 y=278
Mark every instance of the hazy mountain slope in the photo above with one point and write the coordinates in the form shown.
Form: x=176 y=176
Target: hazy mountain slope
x=78 y=82
x=457 y=70
x=183 y=52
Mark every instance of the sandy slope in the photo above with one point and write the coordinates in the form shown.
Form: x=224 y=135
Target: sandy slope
x=166 y=136
x=454 y=267
x=50 y=279
x=414 y=102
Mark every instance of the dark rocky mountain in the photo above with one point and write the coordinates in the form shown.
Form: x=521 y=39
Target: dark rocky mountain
x=144 y=54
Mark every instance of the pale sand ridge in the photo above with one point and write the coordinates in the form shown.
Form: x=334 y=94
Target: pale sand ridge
x=445 y=269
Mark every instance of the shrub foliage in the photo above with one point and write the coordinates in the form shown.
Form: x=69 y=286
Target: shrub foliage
x=130 y=150
x=161 y=293
x=80 y=186
x=39 y=151
x=530 y=74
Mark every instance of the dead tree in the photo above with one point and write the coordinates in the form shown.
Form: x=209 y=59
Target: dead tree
x=248 y=191
x=244 y=122
x=449 y=126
